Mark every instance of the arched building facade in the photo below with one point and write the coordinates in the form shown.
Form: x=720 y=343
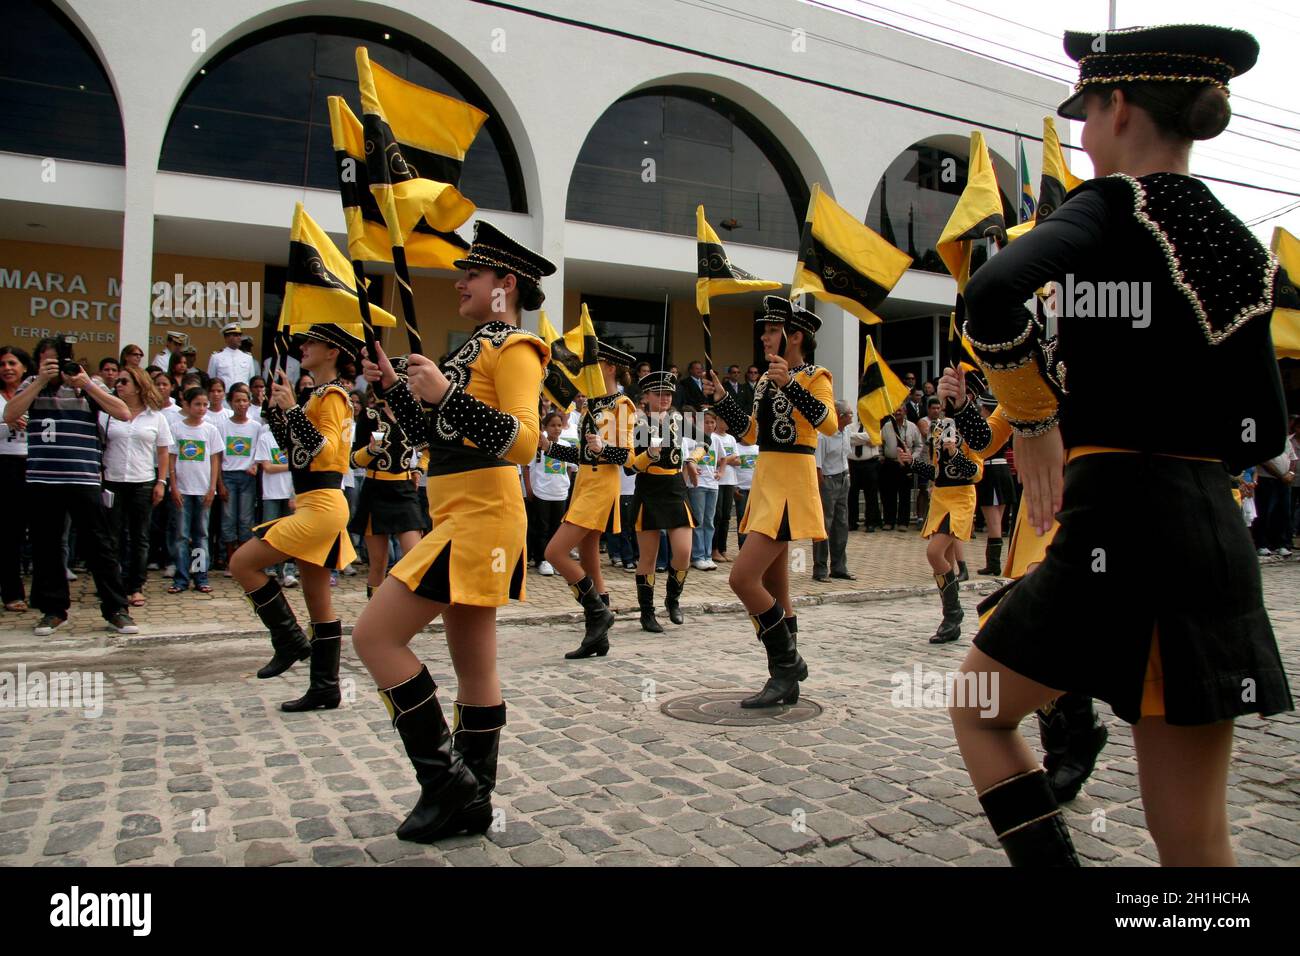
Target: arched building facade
x=203 y=124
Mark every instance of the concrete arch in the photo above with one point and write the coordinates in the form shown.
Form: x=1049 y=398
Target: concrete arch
x=763 y=110
x=405 y=22
x=65 y=7
x=960 y=146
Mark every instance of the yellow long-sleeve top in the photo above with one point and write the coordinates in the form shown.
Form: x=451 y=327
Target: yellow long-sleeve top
x=314 y=437
x=488 y=416
x=613 y=418
x=785 y=418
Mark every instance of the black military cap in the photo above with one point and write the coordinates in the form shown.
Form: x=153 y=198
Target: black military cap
x=494 y=249
x=779 y=309
x=1183 y=53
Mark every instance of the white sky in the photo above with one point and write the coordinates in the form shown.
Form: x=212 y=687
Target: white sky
x=1033 y=30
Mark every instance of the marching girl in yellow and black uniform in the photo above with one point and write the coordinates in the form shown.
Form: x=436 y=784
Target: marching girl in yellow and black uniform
x=793 y=401
x=954 y=469
x=389 y=503
x=480 y=420
x=1178 y=649
x=605 y=435
x=315 y=440
x=660 y=502
x=1071 y=731
x=994 y=492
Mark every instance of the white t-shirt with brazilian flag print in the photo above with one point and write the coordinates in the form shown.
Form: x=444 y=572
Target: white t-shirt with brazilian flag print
x=194 y=446
x=275 y=485
x=745 y=470
x=724 y=446
x=708 y=465
x=549 y=477
x=238 y=444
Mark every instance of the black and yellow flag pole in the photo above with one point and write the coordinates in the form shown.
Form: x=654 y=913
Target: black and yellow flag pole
x=408 y=299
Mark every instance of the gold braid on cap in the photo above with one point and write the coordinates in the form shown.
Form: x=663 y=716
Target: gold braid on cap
x=503 y=260
x=1153 y=68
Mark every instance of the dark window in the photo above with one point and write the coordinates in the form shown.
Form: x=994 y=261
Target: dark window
x=633 y=325
x=704 y=150
x=55 y=98
x=914 y=199
x=258 y=110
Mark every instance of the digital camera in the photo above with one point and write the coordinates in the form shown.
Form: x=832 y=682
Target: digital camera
x=64 y=351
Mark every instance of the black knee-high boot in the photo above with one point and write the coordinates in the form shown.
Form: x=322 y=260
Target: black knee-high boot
x=785 y=667
x=992 y=557
x=599 y=620
x=1072 y=735
x=323 y=691
x=1027 y=821
x=287 y=639
x=476 y=736
x=962 y=573
x=672 y=599
x=645 y=599
x=950 y=627
x=446 y=785
x=370 y=592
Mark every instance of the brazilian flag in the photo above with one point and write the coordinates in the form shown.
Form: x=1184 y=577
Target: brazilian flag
x=844 y=262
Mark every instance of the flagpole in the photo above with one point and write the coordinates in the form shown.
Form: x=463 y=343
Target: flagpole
x=363 y=306
x=408 y=299
x=663 y=348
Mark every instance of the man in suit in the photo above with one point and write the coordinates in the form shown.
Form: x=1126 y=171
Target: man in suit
x=747 y=388
x=690 y=389
x=914 y=407
x=732 y=382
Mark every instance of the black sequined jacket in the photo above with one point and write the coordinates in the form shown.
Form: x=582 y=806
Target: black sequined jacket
x=1160 y=286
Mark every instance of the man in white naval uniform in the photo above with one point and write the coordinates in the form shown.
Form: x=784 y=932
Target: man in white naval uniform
x=232 y=364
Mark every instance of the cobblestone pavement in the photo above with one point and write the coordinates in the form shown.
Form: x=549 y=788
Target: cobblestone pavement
x=190 y=763
x=881 y=560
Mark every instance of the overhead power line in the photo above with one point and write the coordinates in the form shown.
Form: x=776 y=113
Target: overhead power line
x=809 y=81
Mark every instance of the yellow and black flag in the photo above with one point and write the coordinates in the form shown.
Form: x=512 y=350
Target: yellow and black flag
x=879 y=392
x=960 y=352
x=844 y=262
x=573 y=366
x=319 y=285
x=978 y=214
x=368 y=237
x=1286 y=299
x=415 y=145
x=1057 y=179
x=716 y=275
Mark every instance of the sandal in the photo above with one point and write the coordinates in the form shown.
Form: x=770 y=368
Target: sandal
x=175 y=590
x=136 y=600
x=203 y=588
x=16 y=606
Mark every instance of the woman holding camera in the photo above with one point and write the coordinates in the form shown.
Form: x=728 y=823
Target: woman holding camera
x=136 y=464
x=64 y=466
x=15 y=366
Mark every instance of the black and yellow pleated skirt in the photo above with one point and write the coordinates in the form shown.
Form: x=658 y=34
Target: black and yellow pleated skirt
x=660 y=503
x=784 y=502
x=1150 y=582
x=595 y=499
x=387 y=504
x=952 y=511
x=476 y=552
x=316 y=532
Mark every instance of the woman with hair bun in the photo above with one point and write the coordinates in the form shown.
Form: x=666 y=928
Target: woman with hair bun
x=479 y=418
x=1179 y=649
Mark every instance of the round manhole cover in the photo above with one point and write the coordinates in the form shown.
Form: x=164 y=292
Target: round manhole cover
x=723 y=708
